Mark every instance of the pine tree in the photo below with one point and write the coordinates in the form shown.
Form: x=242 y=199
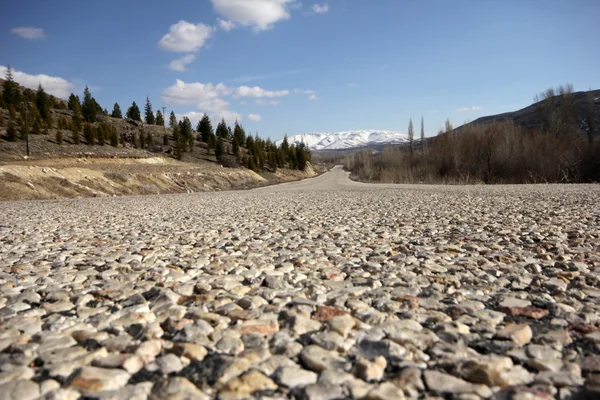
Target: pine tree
x=165 y=139
x=219 y=149
x=205 y=128
x=179 y=142
x=116 y=112
x=2 y=122
x=11 y=129
x=23 y=123
x=10 y=91
x=172 y=120
x=42 y=103
x=239 y=134
x=133 y=112
x=36 y=126
x=301 y=156
x=49 y=121
x=101 y=135
x=236 y=147
x=186 y=131
x=74 y=104
x=75 y=130
x=114 y=137
x=88 y=134
x=160 y=120
x=422 y=135
x=88 y=106
x=411 y=135
x=222 y=131
x=59 y=136
x=149 y=114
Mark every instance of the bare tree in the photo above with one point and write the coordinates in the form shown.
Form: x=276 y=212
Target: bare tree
x=589 y=119
x=411 y=136
x=422 y=135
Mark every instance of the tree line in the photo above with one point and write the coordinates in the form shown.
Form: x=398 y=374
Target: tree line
x=86 y=124
x=498 y=152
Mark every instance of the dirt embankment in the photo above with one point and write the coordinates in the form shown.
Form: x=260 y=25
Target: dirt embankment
x=98 y=177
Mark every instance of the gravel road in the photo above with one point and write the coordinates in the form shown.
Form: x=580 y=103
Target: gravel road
x=321 y=289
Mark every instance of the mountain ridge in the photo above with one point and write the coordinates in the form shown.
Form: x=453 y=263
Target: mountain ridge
x=344 y=140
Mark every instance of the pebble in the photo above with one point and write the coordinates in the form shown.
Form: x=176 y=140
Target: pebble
x=374 y=292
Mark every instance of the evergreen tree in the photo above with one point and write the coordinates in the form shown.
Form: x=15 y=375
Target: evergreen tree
x=49 y=121
x=116 y=112
x=88 y=134
x=165 y=139
x=101 y=135
x=222 y=131
x=172 y=120
x=186 y=129
x=229 y=133
x=114 y=137
x=219 y=148
x=205 y=128
x=142 y=139
x=149 y=140
x=74 y=104
x=239 y=134
x=236 y=147
x=160 y=120
x=42 y=103
x=36 y=126
x=11 y=129
x=10 y=91
x=75 y=130
x=149 y=114
x=77 y=121
x=133 y=112
x=301 y=156
x=23 y=123
x=422 y=135
x=88 y=106
x=411 y=135
x=179 y=142
x=2 y=122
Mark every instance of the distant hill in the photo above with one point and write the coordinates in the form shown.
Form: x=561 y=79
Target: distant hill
x=348 y=139
x=529 y=118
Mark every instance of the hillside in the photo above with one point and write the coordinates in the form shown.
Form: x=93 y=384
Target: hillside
x=529 y=117
x=123 y=156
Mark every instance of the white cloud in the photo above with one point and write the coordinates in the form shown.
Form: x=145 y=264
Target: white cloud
x=320 y=8
x=29 y=32
x=210 y=99
x=258 y=14
x=226 y=25
x=352 y=84
x=312 y=95
x=267 y=102
x=195 y=116
x=474 y=108
x=56 y=86
x=258 y=92
x=193 y=93
x=185 y=37
x=181 y=63
x=254 y=117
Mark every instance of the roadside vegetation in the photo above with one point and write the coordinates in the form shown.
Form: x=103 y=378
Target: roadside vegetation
x=562 y=150
x=25 y=112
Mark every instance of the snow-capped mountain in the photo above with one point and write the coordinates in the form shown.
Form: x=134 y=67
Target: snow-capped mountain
x=347 y=139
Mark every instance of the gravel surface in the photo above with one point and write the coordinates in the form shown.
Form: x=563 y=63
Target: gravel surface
x=322 y=289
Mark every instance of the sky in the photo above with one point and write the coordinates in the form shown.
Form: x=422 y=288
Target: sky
x=289 y=66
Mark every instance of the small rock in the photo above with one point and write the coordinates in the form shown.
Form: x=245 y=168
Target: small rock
x=520 y=334
x=371 y=370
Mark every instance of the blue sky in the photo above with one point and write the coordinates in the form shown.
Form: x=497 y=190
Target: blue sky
x=288 y=66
